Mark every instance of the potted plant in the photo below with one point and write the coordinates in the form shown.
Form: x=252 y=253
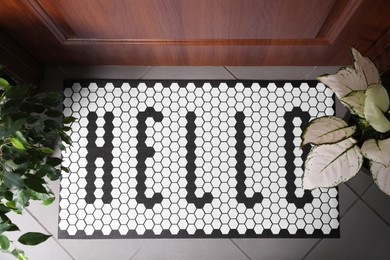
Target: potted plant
x=340 y=149
x=31 y=128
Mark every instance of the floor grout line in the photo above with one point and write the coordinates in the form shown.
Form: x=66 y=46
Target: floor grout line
x=48 y=231
x=239 y=248
x=341 y=217
x=315 y=245
x=231 y=73
x=320 y=240
x=349 y=208
x=139 y=249
x=311 y=249
x=365 y=191
x=151 y=67
x=370 y=207
x=307 y=75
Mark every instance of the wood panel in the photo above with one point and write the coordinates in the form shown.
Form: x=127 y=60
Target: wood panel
x=198 y=32
x=380 y=52
x=17 y=63
x=180 y=20
x=196 y=22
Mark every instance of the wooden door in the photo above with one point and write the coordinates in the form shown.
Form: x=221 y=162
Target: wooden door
x=198 y=32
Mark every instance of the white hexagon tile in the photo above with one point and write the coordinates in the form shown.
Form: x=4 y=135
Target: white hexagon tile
x=192 y=159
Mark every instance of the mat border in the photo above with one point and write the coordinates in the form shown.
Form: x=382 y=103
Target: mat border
x=183 y=234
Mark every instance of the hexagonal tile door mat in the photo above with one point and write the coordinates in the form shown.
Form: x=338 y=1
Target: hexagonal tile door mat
x=179 y=159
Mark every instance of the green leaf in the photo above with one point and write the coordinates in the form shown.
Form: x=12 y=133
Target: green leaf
x=69 y=119
x=32 y=120
x=48 y=201
x=22 y=257
x=3 y=217
x=17 y=92
x=18 y=144
x=4 y=226
x=33 y=238
x=46 y=150
x=51 y=124
x=19 y=254
x=4 y=242
x=65 y=169
x=55 y=175
x=54 y=161
x=21 y=158
x=53 y=113
x=11 y=205
x=13 y=126
x=18 y=135
x=38 y=108
x=66 y=128
x=3 y=83
x=51 y=99
x=39 y=196
x=65 y=138
x=44 y=170
x=21 y=199
x=8 y=196
x=36 y=184
x=12 y=180
x=13 y=227
x=15 y=252
x=327 y=130
x=22 y=168
x=4 y=209
x=52 y=95
x=331 y=164
x=61 y=146
x=7 y=226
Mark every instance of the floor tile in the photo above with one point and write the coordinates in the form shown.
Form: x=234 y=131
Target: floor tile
x=113 y=249
x=188 y=72
x=217 y=249
x=43 y=251
x=47 y=215
x=270 y=72
x=292 y=248
x=321 y=70
x=379 y=201
x=55 y=75
x=190 y=249
x=85 y=248
x=276 y=249
x=360 y=183
x=363 y=236
x=346 y=198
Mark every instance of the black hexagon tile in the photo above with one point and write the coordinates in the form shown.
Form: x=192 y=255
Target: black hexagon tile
x=192 y=159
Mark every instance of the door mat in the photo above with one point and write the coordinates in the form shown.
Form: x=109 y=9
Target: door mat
x=192 y=159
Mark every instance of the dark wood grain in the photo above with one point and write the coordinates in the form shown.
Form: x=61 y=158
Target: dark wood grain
x=17 y=63
x=197 y=32
x=178 y=19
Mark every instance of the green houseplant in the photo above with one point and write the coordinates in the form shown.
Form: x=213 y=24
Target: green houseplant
x=339 y=148
x=31 y=128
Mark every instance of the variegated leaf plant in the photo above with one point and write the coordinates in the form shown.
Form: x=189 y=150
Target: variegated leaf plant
x=338 y=149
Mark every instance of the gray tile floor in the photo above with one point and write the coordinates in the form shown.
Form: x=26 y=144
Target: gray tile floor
x=365 y=211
